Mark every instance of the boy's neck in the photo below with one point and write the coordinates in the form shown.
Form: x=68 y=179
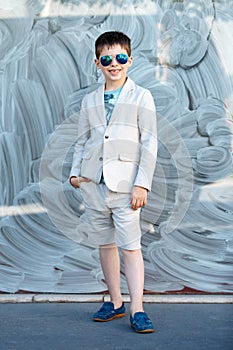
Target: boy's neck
x=114 y=85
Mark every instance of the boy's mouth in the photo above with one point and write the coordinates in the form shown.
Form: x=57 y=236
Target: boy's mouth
x=114 y=71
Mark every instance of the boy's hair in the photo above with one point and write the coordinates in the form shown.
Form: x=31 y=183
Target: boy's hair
x=110 y=39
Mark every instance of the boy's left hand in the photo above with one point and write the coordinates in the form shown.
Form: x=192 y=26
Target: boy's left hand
x=138 y=197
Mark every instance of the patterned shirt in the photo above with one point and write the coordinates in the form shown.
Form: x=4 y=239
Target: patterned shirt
x=110 y=99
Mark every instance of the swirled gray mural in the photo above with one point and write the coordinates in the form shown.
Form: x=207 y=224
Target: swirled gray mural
x=183 y=53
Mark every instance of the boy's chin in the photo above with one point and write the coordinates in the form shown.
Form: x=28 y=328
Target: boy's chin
x=115 y=77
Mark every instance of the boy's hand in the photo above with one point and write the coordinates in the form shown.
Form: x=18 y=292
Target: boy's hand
x=138 y=197
x=76 y=181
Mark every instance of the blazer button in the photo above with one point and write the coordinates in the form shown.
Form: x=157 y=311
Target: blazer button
x=100 y=158
x=106 y=136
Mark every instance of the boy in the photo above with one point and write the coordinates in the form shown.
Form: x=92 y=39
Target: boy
x=113 y=165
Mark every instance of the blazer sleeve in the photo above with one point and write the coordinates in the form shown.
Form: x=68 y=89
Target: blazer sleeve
x=82 y=137
x=148 y=141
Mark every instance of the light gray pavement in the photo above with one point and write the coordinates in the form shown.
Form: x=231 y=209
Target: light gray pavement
x=69 y=326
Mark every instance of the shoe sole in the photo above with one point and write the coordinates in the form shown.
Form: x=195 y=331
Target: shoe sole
x=142 y=331
x=108 y=319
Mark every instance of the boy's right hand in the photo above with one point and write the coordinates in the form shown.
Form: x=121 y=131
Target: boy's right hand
x=76 y=181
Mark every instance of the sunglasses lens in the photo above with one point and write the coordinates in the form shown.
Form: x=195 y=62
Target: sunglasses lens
x=106 y=60
x=122 y=58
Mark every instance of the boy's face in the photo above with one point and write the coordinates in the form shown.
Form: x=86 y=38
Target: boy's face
x=115 y=71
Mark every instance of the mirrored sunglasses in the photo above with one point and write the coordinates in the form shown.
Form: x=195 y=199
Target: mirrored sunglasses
x=121 y=58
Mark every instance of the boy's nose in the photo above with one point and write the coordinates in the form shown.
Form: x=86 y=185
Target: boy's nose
x=114 y=61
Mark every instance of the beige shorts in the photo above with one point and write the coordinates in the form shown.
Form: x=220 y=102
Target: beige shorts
x=109 y=217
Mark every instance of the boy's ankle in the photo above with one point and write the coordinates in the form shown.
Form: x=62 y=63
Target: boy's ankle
x=117 y=303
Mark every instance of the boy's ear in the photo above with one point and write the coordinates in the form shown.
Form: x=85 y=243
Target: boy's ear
x=97 y=63
x=130 y=61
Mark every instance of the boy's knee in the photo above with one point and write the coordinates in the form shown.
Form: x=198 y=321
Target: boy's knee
x=130 y=251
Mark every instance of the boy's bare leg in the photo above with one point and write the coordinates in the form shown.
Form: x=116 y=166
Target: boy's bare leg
x=110 y=262
x=134 y=271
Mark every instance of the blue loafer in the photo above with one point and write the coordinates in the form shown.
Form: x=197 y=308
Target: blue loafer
x=108 y=313
x=141 y=323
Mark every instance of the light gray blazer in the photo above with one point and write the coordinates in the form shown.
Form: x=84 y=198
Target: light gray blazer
x=124 y=150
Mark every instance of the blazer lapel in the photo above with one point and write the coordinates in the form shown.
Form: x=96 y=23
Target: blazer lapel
x=99 y=103
x=128 y=87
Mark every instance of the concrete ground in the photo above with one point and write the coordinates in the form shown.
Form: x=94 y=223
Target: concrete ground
x=69 y=326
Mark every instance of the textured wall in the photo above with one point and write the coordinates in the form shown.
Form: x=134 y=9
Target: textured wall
x=183 y=53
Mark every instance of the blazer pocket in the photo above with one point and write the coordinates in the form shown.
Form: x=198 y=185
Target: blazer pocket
x=87 y=155
x=129 y=157
x=85 y=164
